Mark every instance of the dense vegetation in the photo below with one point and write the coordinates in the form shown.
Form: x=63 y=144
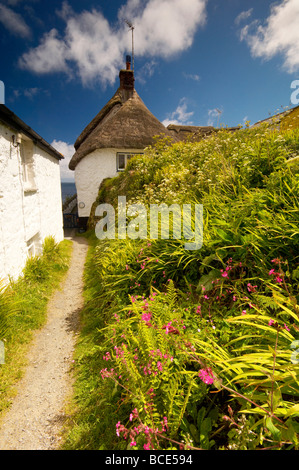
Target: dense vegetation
x=197 y=349
x=23 y=306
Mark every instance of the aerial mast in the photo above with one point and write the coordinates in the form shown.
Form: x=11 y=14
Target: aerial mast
x=131 y=26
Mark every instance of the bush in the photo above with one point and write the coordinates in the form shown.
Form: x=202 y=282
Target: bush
x=170 y=326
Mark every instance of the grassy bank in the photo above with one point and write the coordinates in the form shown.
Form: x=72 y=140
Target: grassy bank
x=23 y=306
x=197 y=349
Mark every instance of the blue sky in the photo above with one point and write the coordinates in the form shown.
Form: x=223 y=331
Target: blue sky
x=60 y=60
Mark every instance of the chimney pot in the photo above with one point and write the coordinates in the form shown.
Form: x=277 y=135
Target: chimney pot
x=128 y=62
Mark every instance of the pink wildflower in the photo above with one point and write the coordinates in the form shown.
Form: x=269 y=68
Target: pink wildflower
x=146 y=317
x=134 y=414
x=206 y=375
x=271 y=322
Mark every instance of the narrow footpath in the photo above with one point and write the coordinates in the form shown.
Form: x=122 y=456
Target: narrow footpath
x=37 y=414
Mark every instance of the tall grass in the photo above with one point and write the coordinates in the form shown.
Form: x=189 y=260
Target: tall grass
x=226 y=314
x=23 y=305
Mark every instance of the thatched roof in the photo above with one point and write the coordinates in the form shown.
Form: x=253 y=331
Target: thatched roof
x=195 y=133
x=278 y=118
x=184 y=133
x=123 y=124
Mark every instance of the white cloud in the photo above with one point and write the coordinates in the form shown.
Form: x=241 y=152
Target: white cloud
x=14 y=22
x=192 y=76
x=48 y=57
x=146 y=71
x=31 y=92
x=279 y=35
x=180 y=115
x=244 y=15
x=93 y=49
x=67 y=151
x=164 y=27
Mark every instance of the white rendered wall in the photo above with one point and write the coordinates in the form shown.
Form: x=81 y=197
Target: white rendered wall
x=23 y=214
x=91 y=171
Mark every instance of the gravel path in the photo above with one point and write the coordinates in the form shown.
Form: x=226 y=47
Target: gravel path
x=36 y=416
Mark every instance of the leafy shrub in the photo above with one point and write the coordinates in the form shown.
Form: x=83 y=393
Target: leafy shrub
x=172 y=326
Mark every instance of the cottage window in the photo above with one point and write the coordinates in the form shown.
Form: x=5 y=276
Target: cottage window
x=26 y=151
x=122 y=160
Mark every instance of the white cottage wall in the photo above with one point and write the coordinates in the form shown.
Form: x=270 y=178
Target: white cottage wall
x=90 y=172
x=26 y=214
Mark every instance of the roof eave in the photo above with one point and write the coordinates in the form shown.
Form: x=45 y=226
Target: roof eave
x=14 y=122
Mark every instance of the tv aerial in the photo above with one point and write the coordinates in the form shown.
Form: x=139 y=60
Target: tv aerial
x=131 y=26
x=219 y=114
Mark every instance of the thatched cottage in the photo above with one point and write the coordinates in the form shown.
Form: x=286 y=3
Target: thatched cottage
x=30 y=193
x=124 y=127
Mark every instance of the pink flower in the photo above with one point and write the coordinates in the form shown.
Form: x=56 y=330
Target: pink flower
x=146 y=446
x=243 y=312
x=132 y=443
x=127 y=267
x=206 y=375
x=272 y=271
x=134 y=414
x=271 y=322
x=286 y=327
x=224 y=274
